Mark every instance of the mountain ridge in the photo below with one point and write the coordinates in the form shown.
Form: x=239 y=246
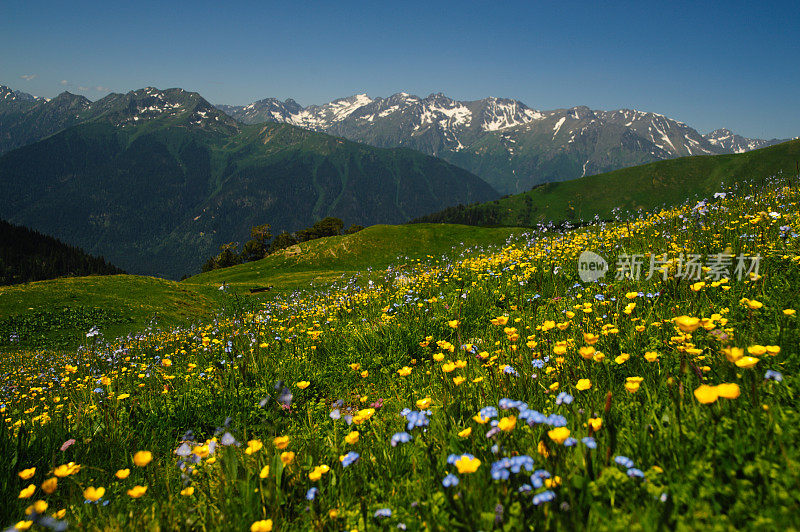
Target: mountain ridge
x=524 y=146
x=157 y=180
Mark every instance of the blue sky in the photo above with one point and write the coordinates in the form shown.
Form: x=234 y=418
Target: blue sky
x=709 y=64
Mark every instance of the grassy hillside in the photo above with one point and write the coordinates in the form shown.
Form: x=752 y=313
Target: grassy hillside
x=648 y=186
x=489 y=392
x=59 y=312
x=375 y=247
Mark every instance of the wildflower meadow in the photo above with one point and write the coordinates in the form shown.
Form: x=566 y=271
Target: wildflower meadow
x=486 y=389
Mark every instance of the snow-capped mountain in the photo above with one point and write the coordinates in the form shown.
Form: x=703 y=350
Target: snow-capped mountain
x=510 y=145
x=730 y=142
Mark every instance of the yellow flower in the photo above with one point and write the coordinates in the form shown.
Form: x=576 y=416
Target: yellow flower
x=317 y=472
x=500 y=320
x=287 y=457
x=405 y=371
x=137 y=491
x=423 y=404
x=752 y=304
x=66 y=470
x=23 y=525
x=687 y=323
x=352 y=438
x=93 y=494
x=651 y=356
x=333 y=513
x=478 y=419
x=789 y=312
x=465 y=433
x=50 y=485
x=728 y=390
x=632 y=386
x=253 y=446
x=590 y=338
x=281 y=442
x=465 y=464
x=303 y=384
x=142 y=458
x=60 y=514
x=453 y=324
x=507 y=424
x=264 y=473
x=632 y=295
x=40 y=506
x=542 y=449
x=622 y=358
x=583 y=384
x=586 y=352
x=355 y=366
x=122 y=474
x=746 y=362
x=265 y=525
x=558 y=434
x=447 y=367
x=696 y=287
x=596 y=423
x=706 y=394
x=458 y=380
x=363 y=415
x=773 y=349
x=438 y=357
x=187 y=492
x=733 y=353
x=27 y=492
x=26 y=474
x=757 y=350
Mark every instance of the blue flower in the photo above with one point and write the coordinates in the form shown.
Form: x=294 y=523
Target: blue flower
x=773 y=375
x=564 y=398
x=538 y=363
x=311 y=494
x=624 y=461
x=400 y=437
x=508 y=370
x=570 y=442
x=488 y=412
x=350 y=458
x=590 y=442
x=543 y=497
x=635 y=473
x=450 y=480
x=383 y=512
x=228 y=439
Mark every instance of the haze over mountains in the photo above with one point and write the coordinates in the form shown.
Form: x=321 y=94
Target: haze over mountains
x=510 y=145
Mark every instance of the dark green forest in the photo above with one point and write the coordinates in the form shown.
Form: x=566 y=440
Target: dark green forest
x=27 y=255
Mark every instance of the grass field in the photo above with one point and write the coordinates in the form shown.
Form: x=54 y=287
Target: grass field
x=489 y=390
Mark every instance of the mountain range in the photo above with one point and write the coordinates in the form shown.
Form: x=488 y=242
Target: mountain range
x=511 y=146
x=156 y=180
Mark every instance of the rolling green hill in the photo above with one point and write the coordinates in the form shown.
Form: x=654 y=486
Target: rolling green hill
x=156 y=181
x=59 y=312
x=647 y=186
x=327 y=259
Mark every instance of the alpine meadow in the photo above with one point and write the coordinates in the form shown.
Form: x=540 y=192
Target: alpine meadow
x=559 y=292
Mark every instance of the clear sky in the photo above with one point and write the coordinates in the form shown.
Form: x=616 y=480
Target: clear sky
x=710 y=64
